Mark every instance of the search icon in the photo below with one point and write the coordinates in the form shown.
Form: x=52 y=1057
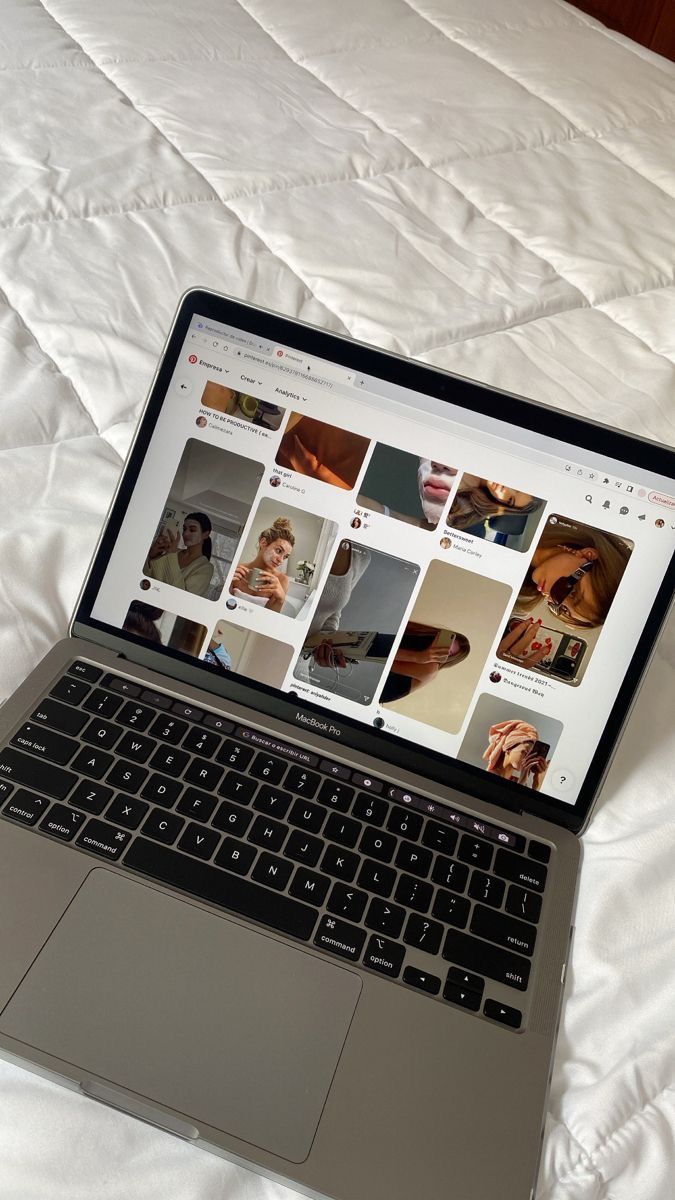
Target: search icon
x=588 y=499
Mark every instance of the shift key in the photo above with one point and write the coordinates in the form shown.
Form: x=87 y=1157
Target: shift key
x=475 y=955
x=34 y=773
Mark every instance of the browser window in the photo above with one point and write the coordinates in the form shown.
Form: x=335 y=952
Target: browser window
x=434 y=573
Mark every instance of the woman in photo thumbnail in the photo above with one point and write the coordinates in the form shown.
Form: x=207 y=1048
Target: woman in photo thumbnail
x=510 y=741
x=188 y=568
x=571 y=582
x=577 y=570
x=515 y=751
x=406 y=487
x=479 y=502
x=262 y=580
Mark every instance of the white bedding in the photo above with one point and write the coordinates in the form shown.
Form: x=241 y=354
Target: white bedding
x=486 y=184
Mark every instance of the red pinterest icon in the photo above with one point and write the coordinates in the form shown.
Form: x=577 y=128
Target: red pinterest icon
x=192 y=358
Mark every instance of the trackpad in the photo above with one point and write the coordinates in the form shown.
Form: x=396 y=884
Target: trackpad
x=190 y=1010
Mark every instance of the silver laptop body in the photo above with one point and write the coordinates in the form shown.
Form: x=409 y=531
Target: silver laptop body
x=391 y=1030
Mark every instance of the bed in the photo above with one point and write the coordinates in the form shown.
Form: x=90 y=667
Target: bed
x=488 y=185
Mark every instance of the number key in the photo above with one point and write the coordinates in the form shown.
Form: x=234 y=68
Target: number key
x=232 y=754
x=169 y=729
x=372 y=809
x=336 y=795
x=103 y=704
x=302 y=782
x=405 y=823
x=202 y=741
x=137 y=716
x=269 y=768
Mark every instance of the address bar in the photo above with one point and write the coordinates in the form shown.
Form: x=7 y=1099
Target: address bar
x=272 y=365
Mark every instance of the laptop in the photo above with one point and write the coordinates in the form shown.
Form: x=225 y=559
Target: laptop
x=290 y=821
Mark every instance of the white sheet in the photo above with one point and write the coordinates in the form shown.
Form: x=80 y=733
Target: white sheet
x=485 y=184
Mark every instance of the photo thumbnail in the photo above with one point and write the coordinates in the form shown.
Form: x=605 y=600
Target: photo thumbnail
x=558 y=615
x=444 y=646
x=509 y=741
x=282 y=558
x=406 y=487
x=322 y=451
x=153 y=624
x=242 y=406
x=203 y=517
x=495 y=512
x=254 y=655
x=355 y=622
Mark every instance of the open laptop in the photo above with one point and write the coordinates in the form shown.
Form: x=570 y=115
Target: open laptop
x=289 y=824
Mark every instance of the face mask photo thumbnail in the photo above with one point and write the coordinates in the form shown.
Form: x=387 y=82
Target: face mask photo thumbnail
x=406 y=487
x=495 y=512
x=254 y=655
x=570 y=585
x=282 y=558
x=355 y=623
x=242 y=406
x=509 y=741
x=163 y=628
x=207 y=507
x=322 y=451
x=444 y=646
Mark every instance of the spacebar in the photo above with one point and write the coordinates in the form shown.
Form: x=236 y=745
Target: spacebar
x=219 y=887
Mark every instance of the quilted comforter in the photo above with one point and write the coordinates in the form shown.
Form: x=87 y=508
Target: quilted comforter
x=488 y=185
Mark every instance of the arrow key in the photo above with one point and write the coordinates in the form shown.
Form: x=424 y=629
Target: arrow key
x=421 y=980
x=502 y=1013
x=462 y=996
x=465 y=980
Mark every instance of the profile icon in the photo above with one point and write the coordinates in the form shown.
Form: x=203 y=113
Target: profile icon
x=145 y=585
x=274 y=481
x=495 y=677
x=201 y=422
x=231 y=603
x=659 y=522
x=356 y=523
x=445 y=543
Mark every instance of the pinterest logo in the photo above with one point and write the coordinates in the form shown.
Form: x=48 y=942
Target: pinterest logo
x=192 y=358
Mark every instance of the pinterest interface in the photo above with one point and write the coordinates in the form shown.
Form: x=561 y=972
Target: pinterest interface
x=460 y=584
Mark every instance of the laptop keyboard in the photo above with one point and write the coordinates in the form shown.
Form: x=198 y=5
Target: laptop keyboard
x=415 y=891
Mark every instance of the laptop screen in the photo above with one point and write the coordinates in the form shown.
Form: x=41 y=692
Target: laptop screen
x=457 y=582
